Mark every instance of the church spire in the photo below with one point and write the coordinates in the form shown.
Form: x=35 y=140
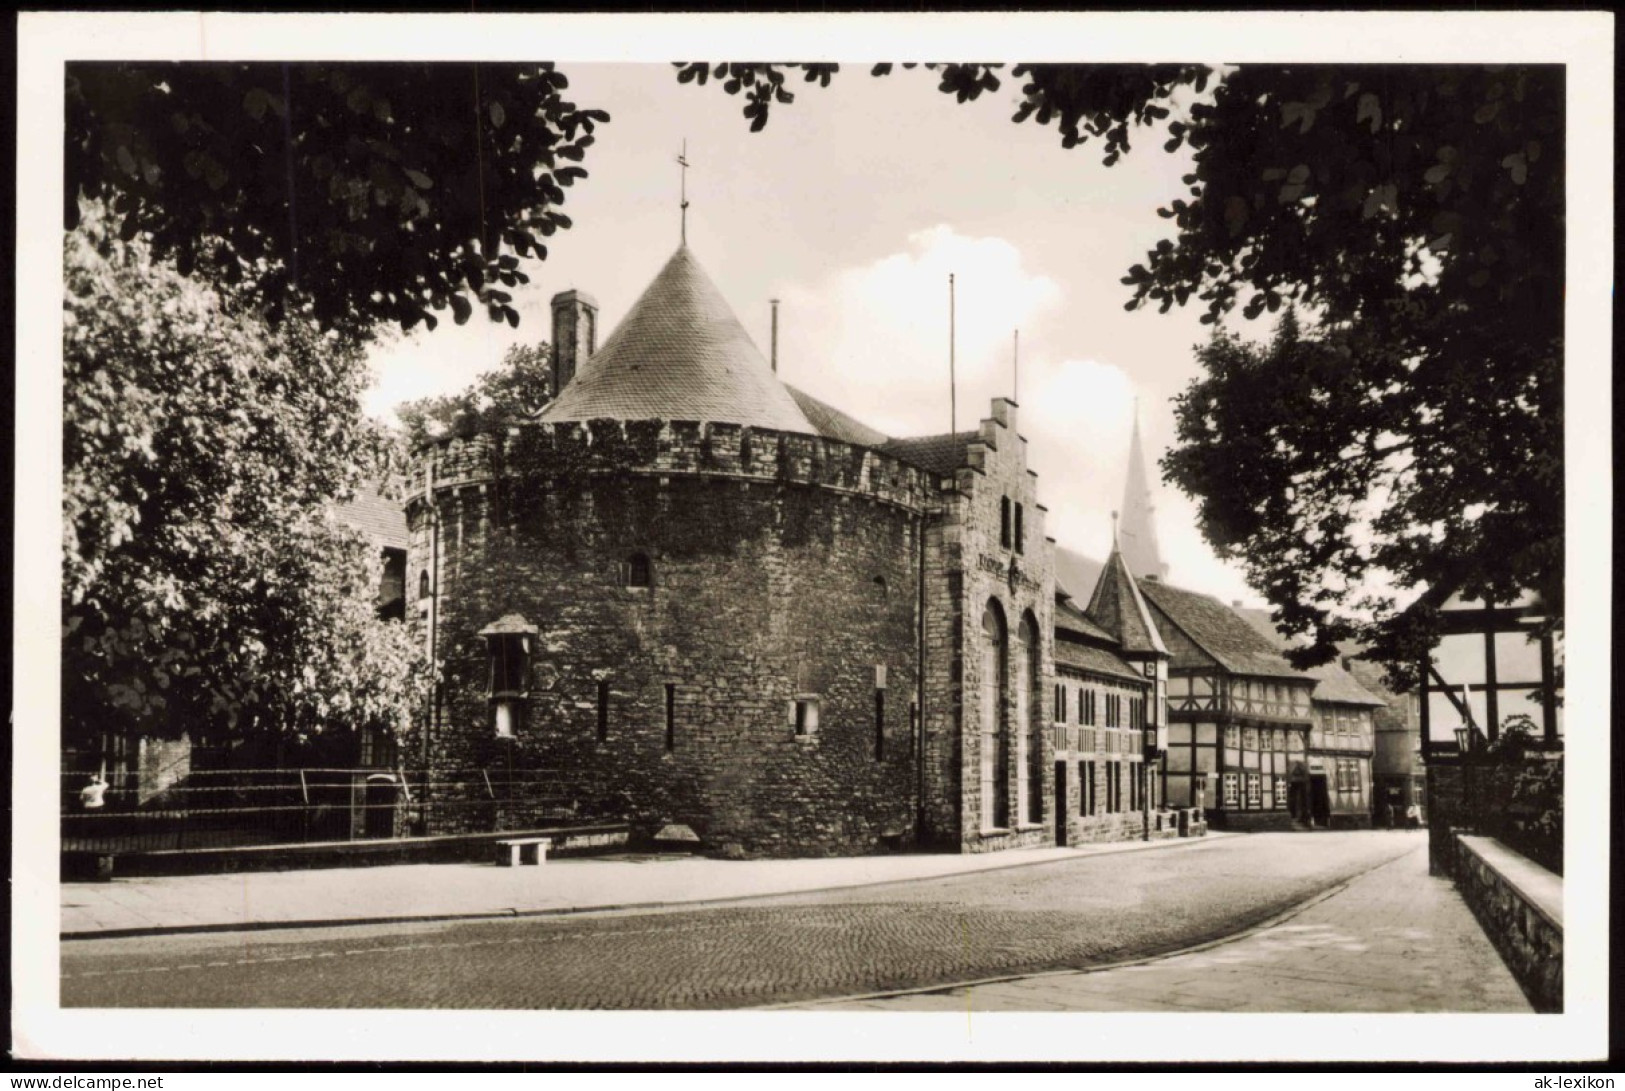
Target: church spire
x=1137 y=533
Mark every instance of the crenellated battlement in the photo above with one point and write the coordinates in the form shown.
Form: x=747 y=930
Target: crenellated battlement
x=561 y=451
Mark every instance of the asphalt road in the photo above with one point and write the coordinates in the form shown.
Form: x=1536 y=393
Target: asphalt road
x=1069 y=914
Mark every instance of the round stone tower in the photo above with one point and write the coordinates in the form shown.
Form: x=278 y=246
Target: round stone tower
x=672 y=601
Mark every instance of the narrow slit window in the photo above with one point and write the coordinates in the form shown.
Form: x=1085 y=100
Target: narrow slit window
x=1021 y=534
x=1004 y=521
x=880 y=724
x=805 y=716
x=671 y=716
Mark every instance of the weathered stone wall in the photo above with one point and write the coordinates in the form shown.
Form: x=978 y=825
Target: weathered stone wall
x=1528 y=937
x=782 y=565
x=975 y=567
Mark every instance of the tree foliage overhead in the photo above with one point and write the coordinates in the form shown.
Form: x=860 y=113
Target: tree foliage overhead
x=357 y=193
x=205 y=582
x=1415 y=214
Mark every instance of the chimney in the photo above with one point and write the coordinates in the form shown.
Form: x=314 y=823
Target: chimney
x=773 y=358
x=575 y=335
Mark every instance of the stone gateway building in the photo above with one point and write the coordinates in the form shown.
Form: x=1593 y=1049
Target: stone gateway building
x=710 y=604
x=710 y=600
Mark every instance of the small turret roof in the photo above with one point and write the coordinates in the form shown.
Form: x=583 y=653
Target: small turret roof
x=680 y=354
x=1117 y=607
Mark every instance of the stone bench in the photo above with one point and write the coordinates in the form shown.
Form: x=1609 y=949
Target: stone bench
x=514 y=851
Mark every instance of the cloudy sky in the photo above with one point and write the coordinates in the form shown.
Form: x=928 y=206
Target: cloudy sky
x=852 y=208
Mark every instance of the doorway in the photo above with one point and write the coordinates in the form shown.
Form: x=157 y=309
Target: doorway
x=1062 y=809
x=1320 y=802
x=380 y=800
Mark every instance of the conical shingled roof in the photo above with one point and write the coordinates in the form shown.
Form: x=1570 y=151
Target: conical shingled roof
x=1118 y=607
x=679 y=354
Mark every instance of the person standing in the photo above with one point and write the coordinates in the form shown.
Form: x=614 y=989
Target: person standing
x=90 y=796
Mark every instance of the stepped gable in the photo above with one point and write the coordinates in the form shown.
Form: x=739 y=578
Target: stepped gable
x=1217 y=630
x=1118 y=607
x=834 y=424
x=680 y=354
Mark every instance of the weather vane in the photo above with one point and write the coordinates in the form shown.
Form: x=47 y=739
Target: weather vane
x=682 y=161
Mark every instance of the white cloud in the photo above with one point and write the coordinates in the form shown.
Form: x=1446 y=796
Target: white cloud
x=873 y=341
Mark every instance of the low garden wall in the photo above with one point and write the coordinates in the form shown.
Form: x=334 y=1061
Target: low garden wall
x=1519 y=904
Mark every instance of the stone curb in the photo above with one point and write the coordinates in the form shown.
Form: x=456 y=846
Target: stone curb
x=572 y=910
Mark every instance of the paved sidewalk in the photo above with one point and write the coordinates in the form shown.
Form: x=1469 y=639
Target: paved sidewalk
x=410 y=891
x=1393 y=940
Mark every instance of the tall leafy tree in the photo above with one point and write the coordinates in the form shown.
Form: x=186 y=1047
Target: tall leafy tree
x=356 y=194
x=517 y=390
x=1416 y=214
x=206 y=584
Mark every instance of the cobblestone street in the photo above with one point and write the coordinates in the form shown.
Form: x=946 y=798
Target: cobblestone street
x=1394 y=940
x=1070 y=914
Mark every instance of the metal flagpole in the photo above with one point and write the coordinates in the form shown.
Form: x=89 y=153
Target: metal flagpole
x=953 y=393
x=682 y=161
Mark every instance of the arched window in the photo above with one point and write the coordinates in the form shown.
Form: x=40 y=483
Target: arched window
x=995 y=685
x=636 y=571
x=423 y=584
x=1029 y=723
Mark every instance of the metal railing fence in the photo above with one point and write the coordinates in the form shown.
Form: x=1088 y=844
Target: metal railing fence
x=211 y=809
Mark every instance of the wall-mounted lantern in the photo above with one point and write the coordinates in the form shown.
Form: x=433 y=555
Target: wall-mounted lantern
x=510 y=643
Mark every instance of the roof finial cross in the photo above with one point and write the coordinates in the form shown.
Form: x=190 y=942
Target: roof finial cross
x=682 y=161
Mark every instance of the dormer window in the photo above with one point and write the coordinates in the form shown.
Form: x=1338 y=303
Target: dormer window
x=637 y=572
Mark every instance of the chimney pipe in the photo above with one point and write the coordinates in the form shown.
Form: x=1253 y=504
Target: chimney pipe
x=774 y=349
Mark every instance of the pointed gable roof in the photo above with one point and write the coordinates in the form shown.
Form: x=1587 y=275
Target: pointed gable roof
x=680 y=354
x=1218 y=631
x=1139 y=531
x=1118 y=607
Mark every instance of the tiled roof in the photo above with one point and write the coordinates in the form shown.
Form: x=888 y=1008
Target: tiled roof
x=1334 y=683
x=835 y=424
x=941 y=454
x=1098 y=660
x=1217 y=630
x=381 y=519
x=679 y=354
x=1076 y=574
x=1117 y=607
x=1069 y=618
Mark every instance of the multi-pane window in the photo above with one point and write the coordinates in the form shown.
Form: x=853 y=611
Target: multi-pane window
x=1232 y=789
x=1280 y=793
x=1254 y=791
